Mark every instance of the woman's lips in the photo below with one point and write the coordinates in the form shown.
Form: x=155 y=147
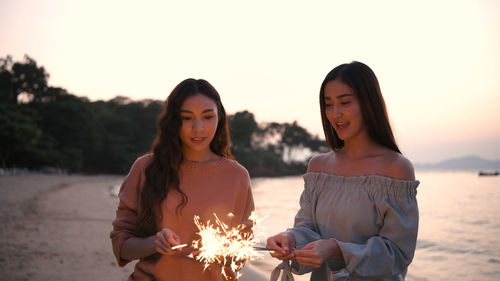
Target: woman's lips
x=341 y=125
x=198 y=139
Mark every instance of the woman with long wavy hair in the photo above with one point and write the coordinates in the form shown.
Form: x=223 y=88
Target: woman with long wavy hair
x=189 y=172
x=358 y=216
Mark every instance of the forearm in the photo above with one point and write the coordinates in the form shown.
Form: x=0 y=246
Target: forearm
x=138 y=247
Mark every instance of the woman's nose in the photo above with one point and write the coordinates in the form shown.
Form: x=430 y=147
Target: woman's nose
x=197 y=124
x=336 y=112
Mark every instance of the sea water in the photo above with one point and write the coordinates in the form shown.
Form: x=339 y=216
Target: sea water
x=459 y=230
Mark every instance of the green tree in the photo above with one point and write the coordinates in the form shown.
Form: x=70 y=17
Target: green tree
x=22 y=78
x=7 y=91
x=66 y=121
x=123 y=130
x=263 y=148
x=242 y=127
x=52 y=127
x=294 y=135
x=19 y=134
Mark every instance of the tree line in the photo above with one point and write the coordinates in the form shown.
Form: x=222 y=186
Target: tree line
x=44 y=126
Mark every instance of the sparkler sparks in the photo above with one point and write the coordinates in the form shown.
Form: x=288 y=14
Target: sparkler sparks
x=230 y=247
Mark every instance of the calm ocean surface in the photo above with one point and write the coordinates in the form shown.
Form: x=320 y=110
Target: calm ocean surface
x=459 y=231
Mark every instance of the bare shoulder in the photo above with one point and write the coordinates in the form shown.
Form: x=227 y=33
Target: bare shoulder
x=399 y=167
x=318 y=162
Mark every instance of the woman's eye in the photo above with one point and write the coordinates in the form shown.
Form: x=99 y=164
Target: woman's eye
x=185 y=118
x=328 y=105
x=209 y=117
x=345 y=102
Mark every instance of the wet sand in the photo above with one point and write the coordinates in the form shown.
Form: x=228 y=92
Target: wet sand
x=56 y=227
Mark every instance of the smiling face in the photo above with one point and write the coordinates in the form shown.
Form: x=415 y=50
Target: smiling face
x=199 y=117
x=343 y=111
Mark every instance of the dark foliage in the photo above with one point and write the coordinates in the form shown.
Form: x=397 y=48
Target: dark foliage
x=43 y=126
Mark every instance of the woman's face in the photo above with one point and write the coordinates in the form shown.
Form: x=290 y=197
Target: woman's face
x=199 y=117
x=343 y=110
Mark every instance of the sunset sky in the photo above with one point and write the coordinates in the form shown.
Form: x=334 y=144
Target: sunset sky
x=437 y=61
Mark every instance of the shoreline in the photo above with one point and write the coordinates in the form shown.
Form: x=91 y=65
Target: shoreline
x=57 y=227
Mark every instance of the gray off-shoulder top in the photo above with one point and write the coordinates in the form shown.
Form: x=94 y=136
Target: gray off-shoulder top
x=373 y=218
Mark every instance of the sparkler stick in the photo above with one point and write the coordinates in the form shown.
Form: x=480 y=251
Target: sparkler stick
x=265 y=249
x=179 y=246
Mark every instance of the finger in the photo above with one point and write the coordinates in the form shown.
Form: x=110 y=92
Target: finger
x=160 y=246
x=271 y=243
x=282 y=251
x=166 y=233
x=162 y=240
x=289 y=256
x=281 y=255
x=305 y=253
x=309 y=257
x=309 y=246
x=162 y=250
x=308 y=262
x=287 y=245
x=174 y=241
x=166 y=242
x=277 y=242
x=277 y=254
x=285 y=248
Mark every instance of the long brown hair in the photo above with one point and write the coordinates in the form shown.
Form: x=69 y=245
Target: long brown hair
x=365 y=84
x=162 y=174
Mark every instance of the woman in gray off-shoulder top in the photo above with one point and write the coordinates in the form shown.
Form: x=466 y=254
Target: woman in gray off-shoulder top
x=358 y=217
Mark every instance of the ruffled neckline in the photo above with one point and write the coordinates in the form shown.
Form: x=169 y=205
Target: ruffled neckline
x=364 y=178
x=375 y=184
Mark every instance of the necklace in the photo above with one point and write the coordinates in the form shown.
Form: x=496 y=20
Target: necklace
x=205 y=161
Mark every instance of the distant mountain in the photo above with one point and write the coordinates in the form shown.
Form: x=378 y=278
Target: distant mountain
x=467 y=162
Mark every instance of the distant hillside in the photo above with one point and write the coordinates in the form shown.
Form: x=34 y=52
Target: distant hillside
x=467 y=162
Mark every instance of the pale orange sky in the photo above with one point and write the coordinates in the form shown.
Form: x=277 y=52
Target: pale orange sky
x=437 y=61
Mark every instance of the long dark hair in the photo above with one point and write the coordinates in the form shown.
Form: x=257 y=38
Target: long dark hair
x=162 y=174
x=365 y=84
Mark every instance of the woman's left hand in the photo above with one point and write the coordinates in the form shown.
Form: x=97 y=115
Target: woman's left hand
x=316 y=253
x=165 y=240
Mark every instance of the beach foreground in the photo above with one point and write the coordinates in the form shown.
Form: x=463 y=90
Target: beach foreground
x=56 y=227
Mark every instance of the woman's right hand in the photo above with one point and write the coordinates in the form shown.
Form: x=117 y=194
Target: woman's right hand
x=165 y=240
x=285 y=243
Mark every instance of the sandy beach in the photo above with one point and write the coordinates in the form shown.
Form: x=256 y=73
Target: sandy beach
x=56 y=227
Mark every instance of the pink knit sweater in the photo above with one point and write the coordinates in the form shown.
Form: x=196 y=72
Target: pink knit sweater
x=219 y=187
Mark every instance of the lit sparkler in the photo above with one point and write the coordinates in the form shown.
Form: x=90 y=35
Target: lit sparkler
x=219 y=244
